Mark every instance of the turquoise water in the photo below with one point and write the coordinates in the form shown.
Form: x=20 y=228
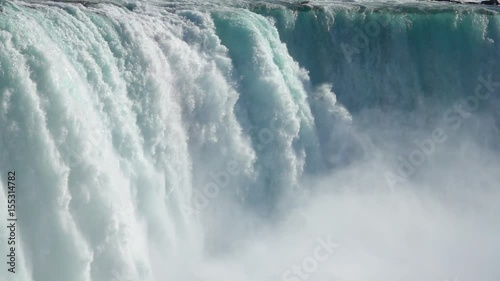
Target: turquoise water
x=222 y=140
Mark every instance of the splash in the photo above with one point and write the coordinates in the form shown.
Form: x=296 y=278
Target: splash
x=250 y=141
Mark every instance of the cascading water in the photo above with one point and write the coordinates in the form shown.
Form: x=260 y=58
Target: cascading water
x=231 y=140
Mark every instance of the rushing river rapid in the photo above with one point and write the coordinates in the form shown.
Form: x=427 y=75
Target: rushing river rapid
x=249 y=141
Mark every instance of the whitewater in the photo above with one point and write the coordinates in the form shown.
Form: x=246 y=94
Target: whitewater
x=250 y=141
